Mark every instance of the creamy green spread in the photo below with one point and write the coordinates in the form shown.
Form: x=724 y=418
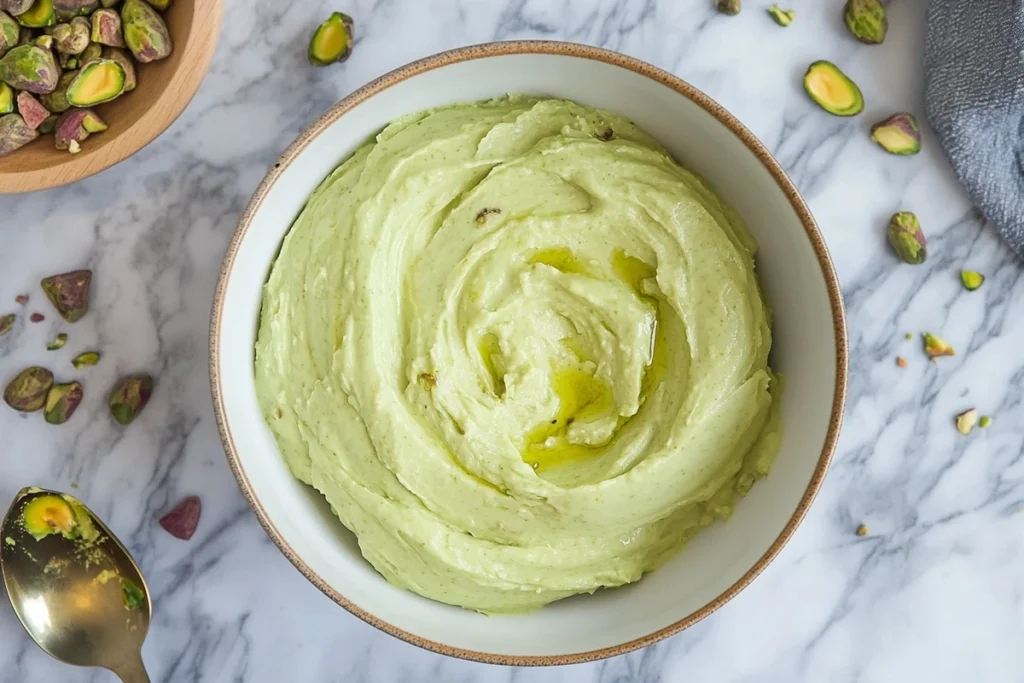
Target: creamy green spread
x=521 y=351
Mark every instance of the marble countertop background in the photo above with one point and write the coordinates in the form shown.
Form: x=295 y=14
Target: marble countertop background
x=935 y=592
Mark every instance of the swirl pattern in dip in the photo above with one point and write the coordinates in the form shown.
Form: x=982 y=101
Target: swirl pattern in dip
x=520 y=350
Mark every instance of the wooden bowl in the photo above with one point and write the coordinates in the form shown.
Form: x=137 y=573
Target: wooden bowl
x=164 y=90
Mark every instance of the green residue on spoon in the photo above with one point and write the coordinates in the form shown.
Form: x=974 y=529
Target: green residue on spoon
x=132 y=596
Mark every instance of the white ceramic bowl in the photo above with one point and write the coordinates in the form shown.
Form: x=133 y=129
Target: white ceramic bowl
x=809 y=347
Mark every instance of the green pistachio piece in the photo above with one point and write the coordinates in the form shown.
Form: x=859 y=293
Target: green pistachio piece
x=10 y=31
x=116 y=54
x=73 y=37
x=69 y=293
x=935 y=346
x=985 y=422
x=86 y=358
x=332 y=40
x=6 y=323
x=16 y=7
x=97 y=82
x=14 y=133
x=27 y=392
x=57 y=101
x=907 y=238
x=866 y=20
x=62 y=401
x=32 y=112
x=58 y=342
x=145 y=32
x=39 y=15
x=782 y=17
x=129 y=396
x=106 y=28
x=832 y=90
x=971 y=279
x=6 y=99
x=74 y=126
x=728 y=6
x=898 y=134
x=31 y=68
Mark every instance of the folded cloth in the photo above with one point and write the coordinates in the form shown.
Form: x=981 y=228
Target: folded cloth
x=974 y=99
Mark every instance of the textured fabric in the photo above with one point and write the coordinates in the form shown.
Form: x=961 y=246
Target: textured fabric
x=974 y=99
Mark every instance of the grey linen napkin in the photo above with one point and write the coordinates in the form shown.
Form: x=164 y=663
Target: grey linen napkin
x=974 y=100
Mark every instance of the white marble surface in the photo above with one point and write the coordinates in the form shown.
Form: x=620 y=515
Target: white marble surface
x=935 y=592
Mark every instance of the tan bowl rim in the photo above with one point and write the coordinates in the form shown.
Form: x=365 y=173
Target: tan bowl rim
x=571 y=50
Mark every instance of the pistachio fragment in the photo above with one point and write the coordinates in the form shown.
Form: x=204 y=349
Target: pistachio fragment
x=74 y=126
x=866 y=20
x=966 y=421
x=6 y=323
x=898 y=134
x=728 y=6
x=332 y=40
x=106 y=28
x=67 y=9
x=44 y=41
x=936 y=346
x=901 y=361
x=129 y=396
x=85 y=358
x=985 y=422
x=971 y=279
x=862 y=530
x=7 y=99
x=782 y=17
x=832 y=90
x=15 y=7
x=48 y=125
x=116 y=54
x=40 y=14
x=10 y=31
x=58 y=342
x=14 y=133
x=907 y=238
x=182 y=521
x=27 y=392
x=32 y=112
x=73 y=37
x=57 y=101
x=69 y=293
x=132 y=596
x=62 y=401
x=37 y=317
x=97 y=82
x=91 y=53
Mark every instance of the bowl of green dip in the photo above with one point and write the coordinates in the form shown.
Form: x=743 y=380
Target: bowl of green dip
x=528 y=353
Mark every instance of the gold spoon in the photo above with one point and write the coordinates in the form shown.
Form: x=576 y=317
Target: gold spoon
x=74 y=587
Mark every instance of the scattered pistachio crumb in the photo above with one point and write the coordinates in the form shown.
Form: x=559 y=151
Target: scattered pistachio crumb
x=971 y=279
x=10 y=541
x=935 y=346
x=74 y=484
x=481 y=217
x=21 y=299
x=58 y=342
x=985 y=421
x=909 y=336
x=966 y=421
x=862 y=530
x=901 y=361
x=782 y=17
x=37 y=317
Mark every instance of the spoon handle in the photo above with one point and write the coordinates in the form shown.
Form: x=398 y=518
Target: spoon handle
x=132 y=671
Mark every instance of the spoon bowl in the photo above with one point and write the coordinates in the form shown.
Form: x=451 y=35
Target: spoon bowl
x=73 y=585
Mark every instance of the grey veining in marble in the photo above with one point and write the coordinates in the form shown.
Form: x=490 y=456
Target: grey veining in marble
x=934 y=593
